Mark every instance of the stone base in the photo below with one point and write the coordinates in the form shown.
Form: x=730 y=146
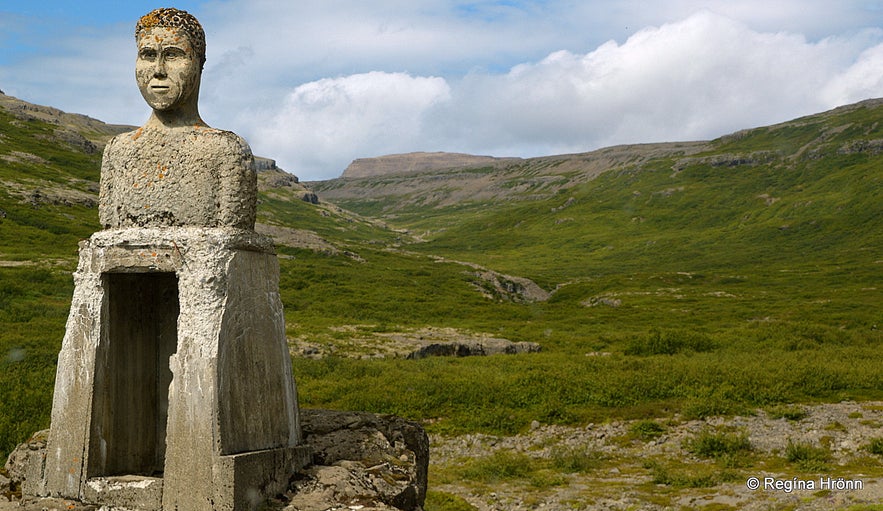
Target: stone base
x=241 y=481
x=244 y=481
x=174 y=362
x=358 y=459
x=127 y=492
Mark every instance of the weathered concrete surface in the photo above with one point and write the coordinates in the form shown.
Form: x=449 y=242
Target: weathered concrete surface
x=174 y=387
x=196 y=176
x=222 y=428
x=378 y=462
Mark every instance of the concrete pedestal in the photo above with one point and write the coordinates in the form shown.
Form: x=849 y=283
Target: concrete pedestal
x=174 y=387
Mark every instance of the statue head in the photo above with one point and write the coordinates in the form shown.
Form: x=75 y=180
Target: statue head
x=171 y=55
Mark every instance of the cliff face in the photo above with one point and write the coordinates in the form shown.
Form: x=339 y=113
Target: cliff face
x=418 y=162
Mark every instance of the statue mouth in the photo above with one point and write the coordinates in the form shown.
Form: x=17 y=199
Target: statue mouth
x=159 y=88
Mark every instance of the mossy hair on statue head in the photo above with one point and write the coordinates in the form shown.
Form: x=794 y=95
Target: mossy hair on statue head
x=169 y=17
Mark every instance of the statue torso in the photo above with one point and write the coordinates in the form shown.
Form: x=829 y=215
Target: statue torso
x=195 y=176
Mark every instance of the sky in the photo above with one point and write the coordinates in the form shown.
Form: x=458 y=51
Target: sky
x=315 y=84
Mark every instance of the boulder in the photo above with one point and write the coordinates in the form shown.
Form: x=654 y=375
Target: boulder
x=359 y=458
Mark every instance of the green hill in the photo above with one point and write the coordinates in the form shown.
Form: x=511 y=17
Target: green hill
x=699 y=278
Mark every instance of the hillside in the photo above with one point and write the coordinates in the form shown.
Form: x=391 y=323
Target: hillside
x=388 y=190
x=418 y=162
x=668 y=282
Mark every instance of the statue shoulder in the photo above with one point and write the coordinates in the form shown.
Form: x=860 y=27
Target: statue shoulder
x=228 y=141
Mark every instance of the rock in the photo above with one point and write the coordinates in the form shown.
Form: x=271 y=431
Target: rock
x=362 y=459
x=602 y=300
x=509 y=288
x=5 y=485
x=481 y=347
x=417 y=162
x=17 y=463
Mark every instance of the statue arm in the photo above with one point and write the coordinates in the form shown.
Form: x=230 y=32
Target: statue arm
x=106 y=214
x=238 y=187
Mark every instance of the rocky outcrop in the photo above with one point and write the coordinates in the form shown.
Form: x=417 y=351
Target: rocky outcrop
x=413 y=344
x=508 y=288
x=361 y=459
x=376 y=462
x=483 y=347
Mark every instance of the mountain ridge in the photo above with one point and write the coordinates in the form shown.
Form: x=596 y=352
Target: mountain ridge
x=417 y=162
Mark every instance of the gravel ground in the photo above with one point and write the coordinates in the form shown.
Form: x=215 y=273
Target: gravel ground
x=623 y=482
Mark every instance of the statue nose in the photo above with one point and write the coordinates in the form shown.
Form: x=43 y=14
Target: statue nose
x=159 y=69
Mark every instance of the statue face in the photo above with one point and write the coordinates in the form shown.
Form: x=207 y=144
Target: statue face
x=167 y=69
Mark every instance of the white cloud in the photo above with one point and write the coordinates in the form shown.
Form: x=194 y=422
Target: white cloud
x=316 y=83
x=862 y=80
x=327 y=123
x=697 y=78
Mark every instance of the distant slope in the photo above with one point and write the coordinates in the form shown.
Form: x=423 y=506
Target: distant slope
x=798 y=194
x=498 y=179
x=417 y=162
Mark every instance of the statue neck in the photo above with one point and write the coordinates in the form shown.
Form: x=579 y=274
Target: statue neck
x=179 y=117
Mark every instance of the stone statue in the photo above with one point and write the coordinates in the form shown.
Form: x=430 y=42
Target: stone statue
x=174 y=387
x=151 y=176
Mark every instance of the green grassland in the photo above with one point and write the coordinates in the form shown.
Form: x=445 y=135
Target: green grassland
x=750 y=275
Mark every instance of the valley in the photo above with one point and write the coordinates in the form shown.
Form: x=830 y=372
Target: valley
x=685 y=283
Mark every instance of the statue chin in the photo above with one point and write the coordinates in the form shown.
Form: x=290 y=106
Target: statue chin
x=163 y=102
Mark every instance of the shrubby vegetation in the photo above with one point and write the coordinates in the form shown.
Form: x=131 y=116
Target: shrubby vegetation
x=725 y=288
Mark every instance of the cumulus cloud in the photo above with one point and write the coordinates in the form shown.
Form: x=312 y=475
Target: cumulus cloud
x=325 y=124
x=697 y=78
x=317 y=83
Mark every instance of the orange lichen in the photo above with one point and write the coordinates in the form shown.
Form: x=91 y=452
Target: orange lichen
x=168 y=17
x=137 y=134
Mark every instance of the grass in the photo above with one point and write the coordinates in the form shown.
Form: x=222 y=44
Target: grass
x=808 y=457
x=575 y=460
x=441 y=501
x=508 y=466
x=875 y=446
x=730 y=450
x=647 y=430
x=725 y=301
x=688 y=476
x=791 y=413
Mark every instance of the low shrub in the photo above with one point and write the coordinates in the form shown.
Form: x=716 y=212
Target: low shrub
x=646 y=430
x=689 y=477
x=718 y=445
x=658 y=342
x=875 y=446
x=807 y=456
x=441 y=501
x=572 y=460
x=791 y=413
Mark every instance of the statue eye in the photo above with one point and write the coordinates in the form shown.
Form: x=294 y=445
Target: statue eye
x=174 y=53
x=147 y=54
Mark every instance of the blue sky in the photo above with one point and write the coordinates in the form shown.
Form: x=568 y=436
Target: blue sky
x=318 y=83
